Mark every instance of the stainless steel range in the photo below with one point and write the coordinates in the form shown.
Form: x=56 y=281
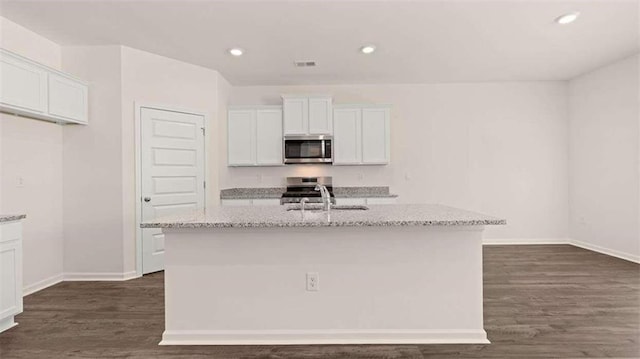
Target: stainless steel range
x=304 y=187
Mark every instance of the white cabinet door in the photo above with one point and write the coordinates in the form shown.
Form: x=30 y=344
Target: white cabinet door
x=23 y=86
x=241 y=137
x=67 y=99
x=320 y=116
x=10 y=273
x=346 y=136
x=375 y=135
x=296 y=115
x=269 y=137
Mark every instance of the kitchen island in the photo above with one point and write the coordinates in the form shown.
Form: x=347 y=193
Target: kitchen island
x=265 y=275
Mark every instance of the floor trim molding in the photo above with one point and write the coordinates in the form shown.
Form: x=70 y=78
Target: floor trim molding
x=98 y=276
x=607 y=251
x=523 y=241
x=309 y=337
x=42 y=284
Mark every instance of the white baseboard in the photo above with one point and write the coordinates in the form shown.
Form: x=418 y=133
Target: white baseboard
x=40 y=285
x=523 y=241
x=307 y=337
x=7 y=323
x=98 y=276
x=607 y=251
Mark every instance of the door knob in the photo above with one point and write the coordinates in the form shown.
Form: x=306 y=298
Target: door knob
x=147 y=199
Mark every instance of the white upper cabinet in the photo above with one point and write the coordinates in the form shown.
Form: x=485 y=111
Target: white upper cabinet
x=320 y=116
x=361 y=135
x=241 y=137
x=296 y=116
x=34 y=90
x=269 y=136
x=346 y=137
x=375 y=135
x=307 y=115
x=68 y=99
x=255 y=136
x=23 y=85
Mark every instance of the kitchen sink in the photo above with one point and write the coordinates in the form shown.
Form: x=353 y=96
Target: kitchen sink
x=315 y=207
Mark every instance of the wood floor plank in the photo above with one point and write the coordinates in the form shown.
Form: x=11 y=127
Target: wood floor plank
x=546 y=301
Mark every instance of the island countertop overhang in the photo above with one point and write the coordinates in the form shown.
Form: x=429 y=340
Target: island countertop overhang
x=279 y=216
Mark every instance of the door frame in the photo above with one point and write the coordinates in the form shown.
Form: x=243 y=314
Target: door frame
x=138 y=164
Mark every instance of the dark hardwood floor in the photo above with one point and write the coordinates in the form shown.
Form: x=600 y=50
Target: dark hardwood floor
x=540 y=302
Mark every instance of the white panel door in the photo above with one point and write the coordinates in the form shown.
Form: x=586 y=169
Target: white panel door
x=320 y=116
x=22 y=85
x=172 y=174
x=296 y=116
x=375 y=135
x=67 y=98
x=269 y=137
x=241 y=138
x=347 y=136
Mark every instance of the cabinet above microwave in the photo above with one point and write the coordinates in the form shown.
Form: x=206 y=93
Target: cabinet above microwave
x=307 y=115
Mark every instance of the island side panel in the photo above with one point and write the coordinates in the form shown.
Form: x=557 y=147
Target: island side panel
x=419 y=284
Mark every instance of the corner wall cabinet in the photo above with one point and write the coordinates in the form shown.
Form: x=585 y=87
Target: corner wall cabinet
x=361 y=135
x=30 y=89
x=255 y=136
x=307 y=115
x=10 y=273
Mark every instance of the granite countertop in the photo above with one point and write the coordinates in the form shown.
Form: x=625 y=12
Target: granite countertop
x=11 y=217
x=276 y=192
x=278 y=216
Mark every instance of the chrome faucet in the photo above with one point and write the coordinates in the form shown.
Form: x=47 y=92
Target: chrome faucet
x=326 y=197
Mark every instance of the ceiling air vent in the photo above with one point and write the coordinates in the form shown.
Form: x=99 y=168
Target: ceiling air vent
x=305 y=63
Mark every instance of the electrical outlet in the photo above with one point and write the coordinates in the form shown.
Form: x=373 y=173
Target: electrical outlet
x=313 y=282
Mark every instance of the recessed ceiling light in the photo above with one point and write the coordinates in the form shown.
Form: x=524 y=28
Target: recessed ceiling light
x=369 y=49
x=568 y=18
x=236 y=51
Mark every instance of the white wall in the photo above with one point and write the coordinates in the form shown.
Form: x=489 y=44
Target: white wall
x=604 y=154
x=100 y=200
x=93 y=168
x=498 y=148
x=32 y=150
x=151 y=79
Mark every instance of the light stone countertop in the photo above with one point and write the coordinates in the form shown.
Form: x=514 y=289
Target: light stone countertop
x=11 y=217
x=276 y=192
x=278 y=216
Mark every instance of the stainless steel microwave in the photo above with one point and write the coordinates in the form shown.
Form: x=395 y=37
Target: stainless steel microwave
x=308 y=149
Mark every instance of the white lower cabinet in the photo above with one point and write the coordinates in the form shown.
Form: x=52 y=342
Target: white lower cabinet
x=10 y=273
x=255 y=136
x=361 y=135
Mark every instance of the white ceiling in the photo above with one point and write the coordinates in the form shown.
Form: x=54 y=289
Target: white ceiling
x=418 y=41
